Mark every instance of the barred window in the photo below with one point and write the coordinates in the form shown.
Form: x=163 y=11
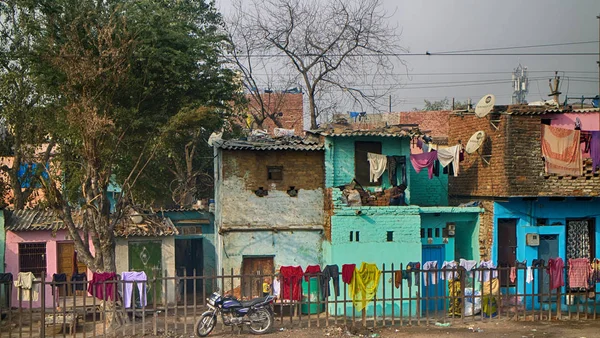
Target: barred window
x=32 y=258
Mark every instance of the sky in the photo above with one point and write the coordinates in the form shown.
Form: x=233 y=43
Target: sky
x=452 y=25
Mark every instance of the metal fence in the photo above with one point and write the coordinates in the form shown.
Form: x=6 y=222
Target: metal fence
x=404 y=297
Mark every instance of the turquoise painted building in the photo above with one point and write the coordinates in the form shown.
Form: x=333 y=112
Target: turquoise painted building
x=425 y=229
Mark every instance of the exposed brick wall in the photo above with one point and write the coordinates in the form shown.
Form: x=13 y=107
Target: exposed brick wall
x=516 y=165
x=301 y=169
x=435 y=122
x=486 y=230
x=476 y=178
x=290 y=105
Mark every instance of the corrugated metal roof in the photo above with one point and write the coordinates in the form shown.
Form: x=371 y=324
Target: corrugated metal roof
x=272 y=144
x=47 y=220
x=541 y=111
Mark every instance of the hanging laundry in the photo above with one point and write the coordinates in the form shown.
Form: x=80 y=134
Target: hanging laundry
x=59 y=281
x=580 y=272
x=397 y=278
x=555 y=270
x=450 y=155
x=529 y=275
x=412 y=268
x=377 y=164
x=28 y=289
x=455 y=292
x=330 y=272
x=140 y=279
x=311 y=271
x=595 y=150
x=6 y=277
x=489 y=272
x=102 y=286
x=419 y=143
x=430 y=265
x=424 y=160
x=78 y=281
x=364 y=285
x=395 y=163
x=291 y=278
x=561 y=151
x=467 y=264
x=449 y=270
x=595 y=271
x=513 y=274
x=348 y=272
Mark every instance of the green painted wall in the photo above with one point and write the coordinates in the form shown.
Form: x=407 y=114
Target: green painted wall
x=339 y=157
x=425 y=191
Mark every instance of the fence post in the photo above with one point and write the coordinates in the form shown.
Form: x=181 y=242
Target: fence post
x=43 y=306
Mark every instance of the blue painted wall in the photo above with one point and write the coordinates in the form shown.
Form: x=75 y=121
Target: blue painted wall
x=527 y=212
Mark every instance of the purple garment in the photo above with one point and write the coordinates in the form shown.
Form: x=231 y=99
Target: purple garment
x=424 y=160
x=419 y=143
x=595 y=150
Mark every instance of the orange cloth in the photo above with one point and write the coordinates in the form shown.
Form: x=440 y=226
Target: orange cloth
x=561 y=151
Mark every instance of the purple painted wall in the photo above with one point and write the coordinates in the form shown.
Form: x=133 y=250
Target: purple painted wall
x=12 y=258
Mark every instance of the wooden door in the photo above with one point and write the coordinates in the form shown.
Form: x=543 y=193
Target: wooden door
x=507 y=248
x=66 y=253
x=254 y=271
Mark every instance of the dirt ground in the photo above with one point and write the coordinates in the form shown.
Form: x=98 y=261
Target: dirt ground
x=567 y=329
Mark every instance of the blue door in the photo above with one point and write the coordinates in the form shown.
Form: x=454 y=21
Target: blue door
x=429 y=304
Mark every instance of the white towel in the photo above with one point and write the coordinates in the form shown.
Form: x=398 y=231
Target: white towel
x=450 y=155
x=529 y=275
x=429 y=265
x=378 y=163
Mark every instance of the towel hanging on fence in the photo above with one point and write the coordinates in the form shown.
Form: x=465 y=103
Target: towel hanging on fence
x=102 y=286
x=291 y=279
x=580 y=273
x=28 y=289
x=348 y=272
x=555 y=270
x=140 y=279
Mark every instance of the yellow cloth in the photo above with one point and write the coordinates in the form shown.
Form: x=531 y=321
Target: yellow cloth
x=266 y=287
x=494 y=289
x=364 y=284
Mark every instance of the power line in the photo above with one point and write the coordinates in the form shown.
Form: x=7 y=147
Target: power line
x=423 y=54
x=518 y=47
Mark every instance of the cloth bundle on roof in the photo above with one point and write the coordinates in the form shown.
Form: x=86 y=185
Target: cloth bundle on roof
x=561 y=151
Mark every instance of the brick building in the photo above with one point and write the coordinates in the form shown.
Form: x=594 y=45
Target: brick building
x=530 y=214
x=268 y=205
x=287 y=108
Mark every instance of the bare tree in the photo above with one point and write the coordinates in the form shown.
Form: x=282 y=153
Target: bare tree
x=337 y=45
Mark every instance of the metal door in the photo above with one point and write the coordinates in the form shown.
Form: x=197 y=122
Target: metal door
x=548 y=249
x=432 y=293
x=147 y=257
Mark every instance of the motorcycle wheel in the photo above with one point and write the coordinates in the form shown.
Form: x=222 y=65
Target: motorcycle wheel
x=262 y=321
x=205 y=324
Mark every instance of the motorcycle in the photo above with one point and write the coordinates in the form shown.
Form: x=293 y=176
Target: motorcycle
x=256 y=313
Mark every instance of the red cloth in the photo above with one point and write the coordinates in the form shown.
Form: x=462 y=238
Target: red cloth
x=291 y=277
x=580 y=272
x=555 y=269
x=424 y=160
x=101 y=282
x=348 y=272
x=311 y=270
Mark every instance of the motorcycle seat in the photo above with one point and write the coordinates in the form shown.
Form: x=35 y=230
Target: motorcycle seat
x=247 y=303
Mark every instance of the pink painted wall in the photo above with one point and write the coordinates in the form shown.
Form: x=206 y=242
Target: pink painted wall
x=12 y=258
x=589 y=122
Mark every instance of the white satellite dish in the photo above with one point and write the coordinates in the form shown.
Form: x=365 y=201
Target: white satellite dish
x=475 y=142
x=485 y=105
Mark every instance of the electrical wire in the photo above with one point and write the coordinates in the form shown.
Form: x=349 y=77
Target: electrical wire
x=518 y=47
x=421 y=54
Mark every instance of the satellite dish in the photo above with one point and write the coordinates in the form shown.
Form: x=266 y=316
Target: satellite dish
x=475 y=142
x=485 y=105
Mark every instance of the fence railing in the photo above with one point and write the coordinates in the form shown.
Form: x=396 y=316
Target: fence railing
x=172 y=305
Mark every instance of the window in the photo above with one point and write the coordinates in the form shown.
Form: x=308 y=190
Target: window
x=351 y=236
x=357 y=238
x=32 y=258
x=275 y=173
x=390 y=236
x=361 y=165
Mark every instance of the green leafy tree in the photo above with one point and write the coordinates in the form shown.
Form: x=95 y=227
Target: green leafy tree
x=121 y=70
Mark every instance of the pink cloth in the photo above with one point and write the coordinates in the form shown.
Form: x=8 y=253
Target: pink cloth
x=561 y=150
x=513 y=274
x=580 y=272
x=595 y=150
x=424 y=160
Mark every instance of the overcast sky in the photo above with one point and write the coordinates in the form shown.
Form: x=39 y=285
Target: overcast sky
x=445 y=25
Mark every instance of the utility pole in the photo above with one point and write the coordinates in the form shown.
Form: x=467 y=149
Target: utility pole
x=554 y=90
x=598 y=17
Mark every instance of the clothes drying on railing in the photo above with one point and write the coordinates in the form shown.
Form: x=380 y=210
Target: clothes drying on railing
x=6 y=278
x=450 y=273
x=363 y=287
x=412 y=268
x=102 y=286
x=430 y=265
x=291 y=277
x=555 y=270
x=348 y=272
x=467 y=264
x=311 y=270
x=78 y=281
x=140 y=279
x=490 y=273
x=59 y=280
x=28 y=289
x=330 y=272
x=580 y=273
